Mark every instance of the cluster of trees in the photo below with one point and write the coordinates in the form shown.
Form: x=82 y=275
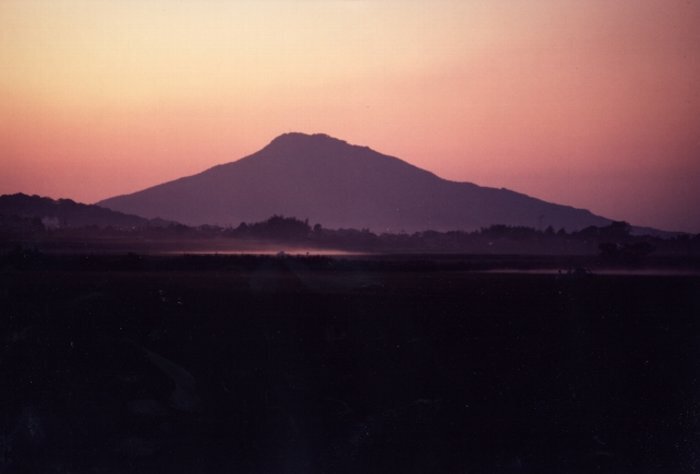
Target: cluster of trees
x=614 y=242
x=275 y=228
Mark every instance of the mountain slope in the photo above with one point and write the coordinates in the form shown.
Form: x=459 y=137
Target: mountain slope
x=340 y=185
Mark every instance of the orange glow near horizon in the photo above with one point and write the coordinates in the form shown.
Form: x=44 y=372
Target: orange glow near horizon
x=592 y=104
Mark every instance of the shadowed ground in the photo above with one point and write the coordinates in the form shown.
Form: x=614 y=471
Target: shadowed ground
x=297 y=365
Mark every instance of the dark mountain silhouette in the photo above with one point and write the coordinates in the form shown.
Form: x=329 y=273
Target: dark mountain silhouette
x=65 y=213
x=341 y=186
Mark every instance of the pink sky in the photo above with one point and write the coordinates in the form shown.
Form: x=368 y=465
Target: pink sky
x=594 y=104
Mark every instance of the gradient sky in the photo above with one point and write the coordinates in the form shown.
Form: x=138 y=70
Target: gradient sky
x=594 y=103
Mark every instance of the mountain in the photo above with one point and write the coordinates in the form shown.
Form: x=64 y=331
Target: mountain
x=340 y=185
x=67 y=213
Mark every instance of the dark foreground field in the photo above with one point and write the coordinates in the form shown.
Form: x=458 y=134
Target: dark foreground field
x=309 y=365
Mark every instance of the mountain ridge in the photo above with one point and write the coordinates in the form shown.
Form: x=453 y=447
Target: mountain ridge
x=66 y=213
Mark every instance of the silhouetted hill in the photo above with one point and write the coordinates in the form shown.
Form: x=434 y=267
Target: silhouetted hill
x=65 y=213
x=342 y=186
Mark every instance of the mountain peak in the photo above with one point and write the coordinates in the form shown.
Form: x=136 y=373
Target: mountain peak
x=294 y=138
x=294 y=143
x=302 y=147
